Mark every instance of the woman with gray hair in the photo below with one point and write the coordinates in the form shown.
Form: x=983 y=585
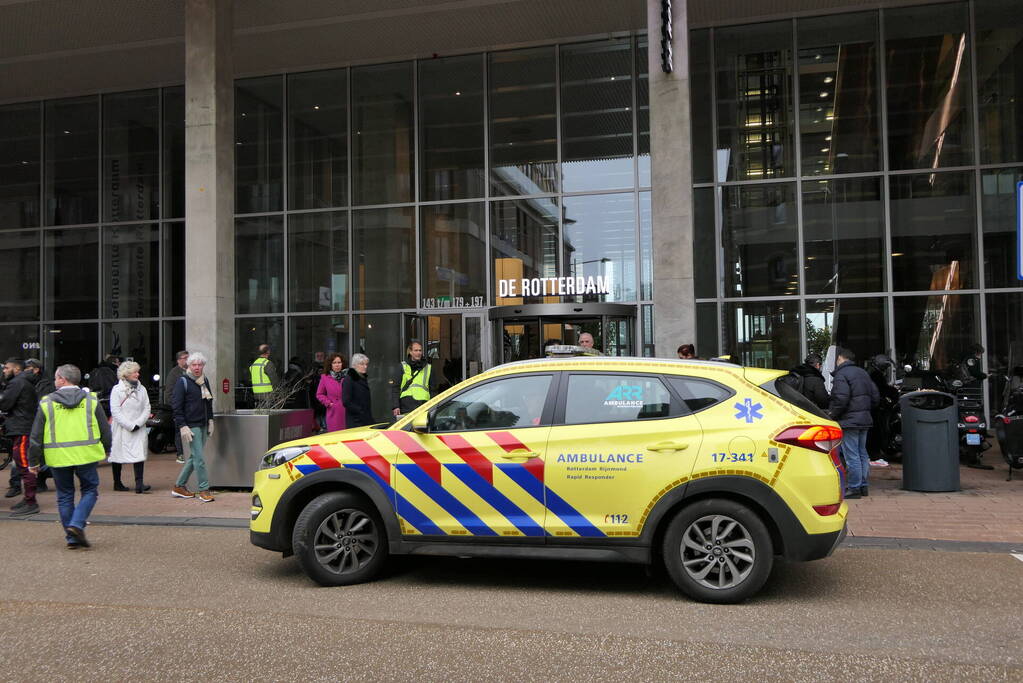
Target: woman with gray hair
x=355 y=393
x=129 y=408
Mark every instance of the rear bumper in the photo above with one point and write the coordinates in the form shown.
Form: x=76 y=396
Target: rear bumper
x=814 y=546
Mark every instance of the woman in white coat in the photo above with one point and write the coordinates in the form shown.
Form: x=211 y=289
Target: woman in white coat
x=129 y=408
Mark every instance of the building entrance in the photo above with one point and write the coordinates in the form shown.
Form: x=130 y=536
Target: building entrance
x=453 y=343
x=523 y=332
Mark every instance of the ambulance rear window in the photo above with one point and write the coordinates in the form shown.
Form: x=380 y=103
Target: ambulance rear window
x=789 y=393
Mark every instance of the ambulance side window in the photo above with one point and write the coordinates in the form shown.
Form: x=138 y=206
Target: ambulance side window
x=607 y=397
x=699 y=393
x=502 y=404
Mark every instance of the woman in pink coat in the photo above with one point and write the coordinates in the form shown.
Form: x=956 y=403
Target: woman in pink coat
x=329 y=391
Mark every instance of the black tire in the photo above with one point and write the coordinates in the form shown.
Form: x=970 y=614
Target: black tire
x=349 y=523
x=727 y=569
x=157 y=442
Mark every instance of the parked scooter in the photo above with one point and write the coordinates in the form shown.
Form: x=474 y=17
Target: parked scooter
x=885 y=437
x=1008 y=423
x=160 y=424
x=972 y=425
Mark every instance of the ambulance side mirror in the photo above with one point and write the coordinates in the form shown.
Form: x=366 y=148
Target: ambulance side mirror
x=421 y=423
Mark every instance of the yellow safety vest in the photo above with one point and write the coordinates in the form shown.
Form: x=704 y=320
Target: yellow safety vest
x=419 y=389
x=260 y=380
x=71 y=435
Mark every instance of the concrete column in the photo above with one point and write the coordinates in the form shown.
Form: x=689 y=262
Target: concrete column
x=672 y=184
x=209 y=198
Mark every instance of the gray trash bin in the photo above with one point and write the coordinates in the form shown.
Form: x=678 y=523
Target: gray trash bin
x=930 y=441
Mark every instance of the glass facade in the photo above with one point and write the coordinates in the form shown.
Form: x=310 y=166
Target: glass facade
x=881 y=215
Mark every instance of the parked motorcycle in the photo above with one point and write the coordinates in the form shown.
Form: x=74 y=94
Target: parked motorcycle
x=972 y=425
x=885 y=437
x=1008 y=424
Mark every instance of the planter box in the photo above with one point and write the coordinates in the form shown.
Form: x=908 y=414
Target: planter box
x=241 y=438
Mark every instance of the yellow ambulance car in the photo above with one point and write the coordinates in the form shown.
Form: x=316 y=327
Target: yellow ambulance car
x=709 y=468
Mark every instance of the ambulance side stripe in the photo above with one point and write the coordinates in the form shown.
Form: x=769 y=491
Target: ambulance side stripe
x=465 y=450
x=554 y=503
x=416 y=453
x=442 y=497
x=368 y=455
x=407 y=510
x=485 y=490
x=322 y=458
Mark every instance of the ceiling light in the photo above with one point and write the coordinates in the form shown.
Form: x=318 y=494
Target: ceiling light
x=828 y=79
x=458 y=93
x=816 y=56
x=828 y=139
x=825 y=149
x=316 y=106
x=67 y=132
x=897 y=253
x=824 y=93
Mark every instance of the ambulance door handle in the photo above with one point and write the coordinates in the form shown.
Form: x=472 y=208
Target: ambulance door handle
x=668 y=446
x=520 y=455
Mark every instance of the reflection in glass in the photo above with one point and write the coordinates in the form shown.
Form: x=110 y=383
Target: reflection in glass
x=383 y=249
x=173 y=178
x=131 y=156
x=523 y=244
x=1004 y=345
x=600 y=243
x=249 y=334
x=131 y=271
x=706 y=330
x=520 y=339
x=173 y=341
x=451 y=127
x=523 y=122
x=74 y=344
x=758 y=238
x=843 y=229
x=838 y=95
x=21 y=341
x=312 y=338
x=928 y=78
x=19 y=166
x=19 y=297
x=856 y=324
x=998 y=200
x=318 y=261
x=702 y=103
x=71 y=168
x=754 y=93
x=383 y=153
x=259 y=265
x=999 y=26
x=596 y=115
x=379 y=337
x=935 y=330
x=318 y=139
x=454 y=254
x=932 y=218
x=173 y=236
x=259 y=144
x=762 y=334
x=705 y=262
x=137 y=341
x=649 y=348
x=646 y=248
x=70 y=261
x=642 y=112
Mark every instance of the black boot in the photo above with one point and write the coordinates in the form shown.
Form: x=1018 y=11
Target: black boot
x=115 y=468
x=140 y=486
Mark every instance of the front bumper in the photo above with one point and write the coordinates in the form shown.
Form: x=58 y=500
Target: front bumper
x=264 y=540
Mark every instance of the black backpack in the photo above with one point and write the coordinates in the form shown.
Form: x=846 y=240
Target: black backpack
x=794 y=380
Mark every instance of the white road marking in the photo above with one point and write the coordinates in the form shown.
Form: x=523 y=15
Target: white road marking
x=1018 y=556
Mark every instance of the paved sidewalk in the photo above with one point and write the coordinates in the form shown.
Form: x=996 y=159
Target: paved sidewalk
x=988 y=509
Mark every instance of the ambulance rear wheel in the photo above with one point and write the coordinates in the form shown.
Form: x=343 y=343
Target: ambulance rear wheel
x=718 y=551
x=339 y=540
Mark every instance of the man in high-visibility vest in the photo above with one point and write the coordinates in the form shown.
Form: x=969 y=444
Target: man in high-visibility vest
x=412 y=387
x=263 y=372
x=71 y=434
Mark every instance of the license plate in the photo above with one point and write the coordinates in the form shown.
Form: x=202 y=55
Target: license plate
x=973 y=439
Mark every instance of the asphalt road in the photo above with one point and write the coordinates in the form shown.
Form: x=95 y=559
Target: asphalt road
x=163 y=603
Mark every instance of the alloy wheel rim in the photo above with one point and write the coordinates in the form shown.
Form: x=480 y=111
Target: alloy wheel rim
x=345 y=541
x=717 y=552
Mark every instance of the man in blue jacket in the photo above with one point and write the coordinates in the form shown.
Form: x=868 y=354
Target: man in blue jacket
x=853 y=396
x=192 y=402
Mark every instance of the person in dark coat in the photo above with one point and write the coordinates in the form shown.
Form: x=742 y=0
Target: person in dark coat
x=103 y=378
x=355 y=393
x=19 y=401
x=853 y=396
x=811 y=381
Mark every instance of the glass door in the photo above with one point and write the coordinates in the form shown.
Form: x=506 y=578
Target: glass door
x=618 y=336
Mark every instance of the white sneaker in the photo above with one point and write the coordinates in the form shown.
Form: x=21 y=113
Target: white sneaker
x=880 y=462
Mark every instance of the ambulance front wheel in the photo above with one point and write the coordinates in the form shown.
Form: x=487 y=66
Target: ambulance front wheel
x=718 y=551
x=339 y=539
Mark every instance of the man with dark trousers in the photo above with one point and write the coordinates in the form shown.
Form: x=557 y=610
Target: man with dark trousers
x=19 y=402
x=853 y=396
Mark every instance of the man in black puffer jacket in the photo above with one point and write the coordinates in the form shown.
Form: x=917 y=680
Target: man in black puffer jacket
x=19 y=401
x=853 y=396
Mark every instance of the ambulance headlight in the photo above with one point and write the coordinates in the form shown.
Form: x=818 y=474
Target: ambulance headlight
x=281 y=456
